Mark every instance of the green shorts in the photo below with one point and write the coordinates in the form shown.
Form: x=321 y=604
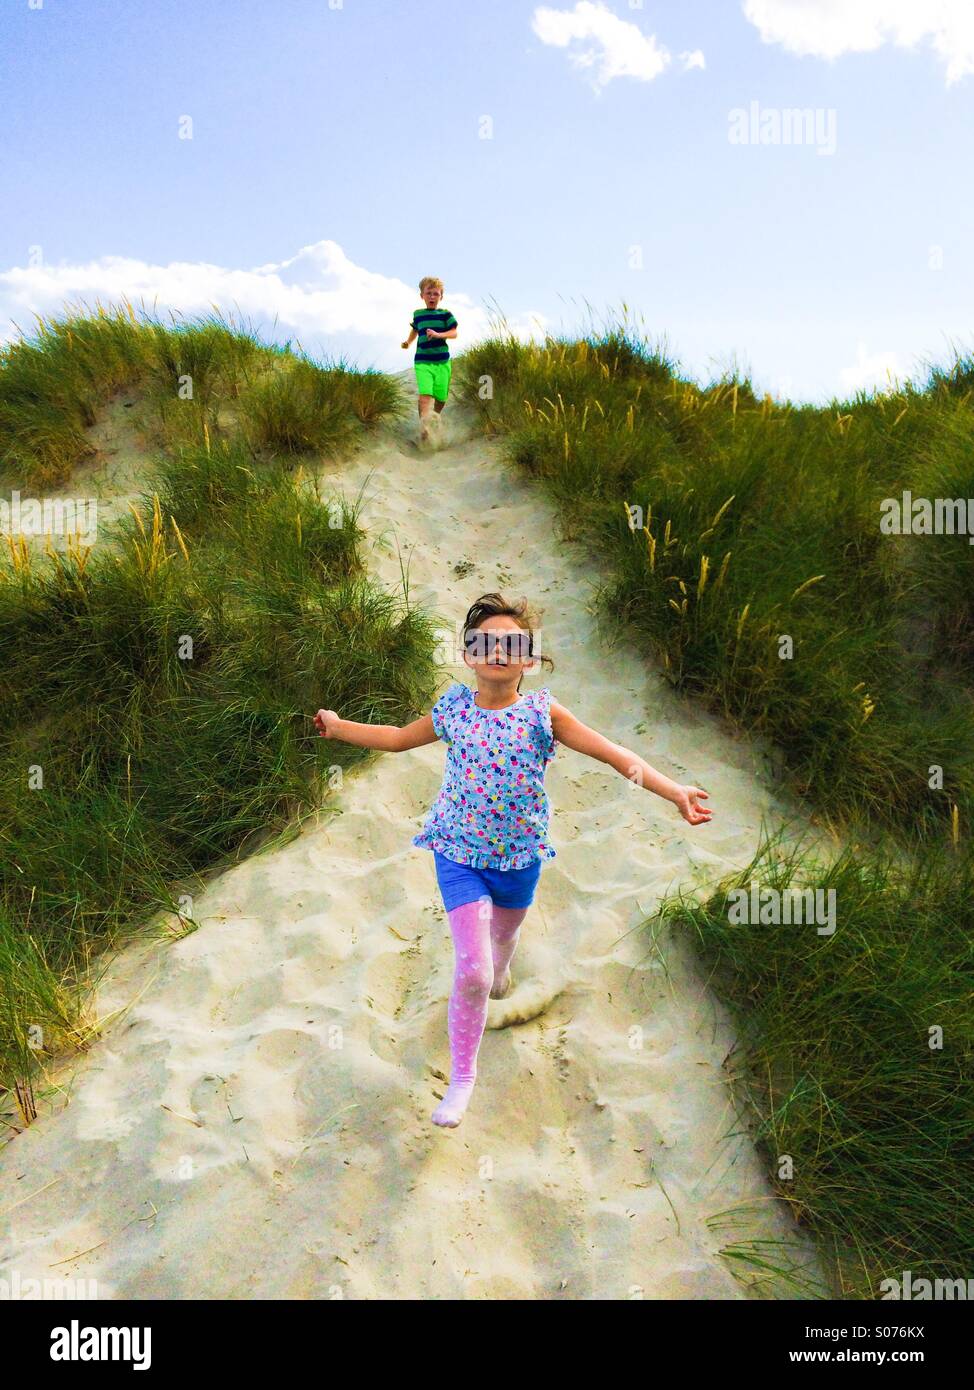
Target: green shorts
x=433 y=379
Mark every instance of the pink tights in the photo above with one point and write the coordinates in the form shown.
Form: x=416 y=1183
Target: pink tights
x=484 y=940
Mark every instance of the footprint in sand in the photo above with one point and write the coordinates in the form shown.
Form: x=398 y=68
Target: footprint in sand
x=525 y=1001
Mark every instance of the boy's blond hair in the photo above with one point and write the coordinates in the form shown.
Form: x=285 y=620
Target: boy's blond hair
x=431 y=282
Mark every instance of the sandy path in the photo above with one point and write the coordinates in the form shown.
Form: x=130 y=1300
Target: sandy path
x=297 y=1039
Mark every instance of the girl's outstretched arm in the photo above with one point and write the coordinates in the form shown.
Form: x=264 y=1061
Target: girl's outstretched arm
x=574 y=734
x=389 y=738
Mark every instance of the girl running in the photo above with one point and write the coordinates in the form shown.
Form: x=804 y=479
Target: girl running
x=488 y=828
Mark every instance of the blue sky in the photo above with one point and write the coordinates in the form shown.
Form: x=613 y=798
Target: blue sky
x=551 y=162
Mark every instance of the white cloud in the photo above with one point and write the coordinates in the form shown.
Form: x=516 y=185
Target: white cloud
x=319 y=297
x=619 y=48
x=829 y=28
x=877 y=370
x=693 y=60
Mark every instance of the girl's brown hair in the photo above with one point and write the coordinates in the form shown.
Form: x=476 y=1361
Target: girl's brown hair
x=431 y=281
x=496 y=606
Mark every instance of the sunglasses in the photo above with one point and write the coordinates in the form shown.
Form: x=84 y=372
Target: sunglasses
x=516 y=646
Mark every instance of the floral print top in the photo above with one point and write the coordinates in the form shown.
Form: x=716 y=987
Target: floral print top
x=492 y=810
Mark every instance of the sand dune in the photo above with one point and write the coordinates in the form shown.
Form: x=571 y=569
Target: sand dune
x=256 y=1121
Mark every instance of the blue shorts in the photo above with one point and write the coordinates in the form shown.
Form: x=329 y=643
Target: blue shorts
x=461 y=883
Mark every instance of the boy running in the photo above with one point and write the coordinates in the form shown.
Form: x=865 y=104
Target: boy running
x=433 y=326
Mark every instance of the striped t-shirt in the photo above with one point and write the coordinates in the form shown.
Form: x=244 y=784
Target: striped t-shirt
x=432 y=349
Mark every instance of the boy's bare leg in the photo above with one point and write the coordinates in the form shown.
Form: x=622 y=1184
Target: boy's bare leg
x=425 y=403
x=434 y=419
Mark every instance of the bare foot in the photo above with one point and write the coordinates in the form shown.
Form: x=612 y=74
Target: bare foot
x=424 y=434
x=501 y=988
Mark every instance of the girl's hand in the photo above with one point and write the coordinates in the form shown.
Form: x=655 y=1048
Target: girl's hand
x=433 y=333
x=325 y=721
x=685 y=802
x=406 y=344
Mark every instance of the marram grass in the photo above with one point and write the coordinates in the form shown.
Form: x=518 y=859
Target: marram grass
x=155 y=708
x=739 y=540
